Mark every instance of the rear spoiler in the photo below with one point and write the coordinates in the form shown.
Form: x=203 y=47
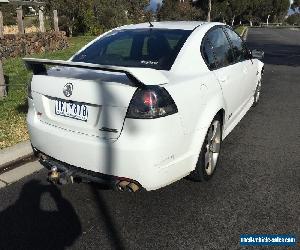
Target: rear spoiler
x=140 y=76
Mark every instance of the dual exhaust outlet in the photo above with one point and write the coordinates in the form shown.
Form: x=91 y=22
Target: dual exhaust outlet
x=57 y=177
x=127 y=186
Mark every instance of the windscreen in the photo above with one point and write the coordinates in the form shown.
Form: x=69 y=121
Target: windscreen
x=149 y=48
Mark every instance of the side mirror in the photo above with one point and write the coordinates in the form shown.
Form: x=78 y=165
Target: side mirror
x=258 y=54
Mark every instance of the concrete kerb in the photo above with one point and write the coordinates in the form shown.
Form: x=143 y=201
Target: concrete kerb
x=20 y=172
x=14 y=163
x=13 y=155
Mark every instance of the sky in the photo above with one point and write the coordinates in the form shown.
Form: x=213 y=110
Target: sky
x=153 y=3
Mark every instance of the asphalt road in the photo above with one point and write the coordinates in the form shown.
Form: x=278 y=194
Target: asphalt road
x=255 y=190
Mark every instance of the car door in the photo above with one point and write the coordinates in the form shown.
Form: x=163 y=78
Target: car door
x=226 y=71
x=242 y=56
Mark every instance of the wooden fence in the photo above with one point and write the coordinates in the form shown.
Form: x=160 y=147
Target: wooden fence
x=2 y=82
x=21 y=30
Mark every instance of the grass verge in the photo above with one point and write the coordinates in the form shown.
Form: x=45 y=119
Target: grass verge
x=240 y=30
x=13 y=108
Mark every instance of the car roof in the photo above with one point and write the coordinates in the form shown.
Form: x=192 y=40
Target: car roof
x=182 y=25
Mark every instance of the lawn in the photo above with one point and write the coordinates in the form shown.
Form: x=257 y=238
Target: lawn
x=240 y=29
x=13 y=108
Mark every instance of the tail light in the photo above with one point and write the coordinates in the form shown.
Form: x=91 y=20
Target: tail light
x=151 y=102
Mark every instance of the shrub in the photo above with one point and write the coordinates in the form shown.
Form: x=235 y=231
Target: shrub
x=294 y=19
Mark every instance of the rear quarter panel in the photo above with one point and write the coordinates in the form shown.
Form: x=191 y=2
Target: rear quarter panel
x=198 y=99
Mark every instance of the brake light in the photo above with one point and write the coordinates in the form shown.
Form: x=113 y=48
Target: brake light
x=151 y=102
x=150 y=98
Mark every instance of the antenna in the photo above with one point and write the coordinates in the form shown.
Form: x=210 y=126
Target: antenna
x=151 y=25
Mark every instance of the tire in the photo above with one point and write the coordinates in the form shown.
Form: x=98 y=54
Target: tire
x=209 y=155
x=257 y=94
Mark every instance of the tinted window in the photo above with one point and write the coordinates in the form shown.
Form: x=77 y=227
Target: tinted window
x=120 y=47
x=238 y=46
x=221 y=47
x=153 y=48
x=208 y=54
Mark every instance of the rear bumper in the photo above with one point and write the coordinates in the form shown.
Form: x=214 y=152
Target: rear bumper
x=150 y=152
x=72 y=174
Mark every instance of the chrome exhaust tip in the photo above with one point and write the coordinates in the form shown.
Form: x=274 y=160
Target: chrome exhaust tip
x=122 y=185
x=132 y=187
x=127 y=186
x=54 y=175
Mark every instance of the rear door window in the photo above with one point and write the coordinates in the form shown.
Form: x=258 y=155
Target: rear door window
x=221 y=47
x=208 y=54
x=238 y=46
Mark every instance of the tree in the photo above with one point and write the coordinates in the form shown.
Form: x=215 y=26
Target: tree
x=262 y=9
x=258 y=11
x=223 y=10
x=168 y=10
x=108 y=17
x=296 y=4
x=176 y=10
x=207 y=6
x=9 y=14
x=71 y=14
x=97 y=16
x=252 y=10
x=294 y=19
x=236 y=8
x=103 y=15
x=280 y=9
x=136 y=10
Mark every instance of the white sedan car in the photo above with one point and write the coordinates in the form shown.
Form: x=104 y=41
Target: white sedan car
x=143 y=105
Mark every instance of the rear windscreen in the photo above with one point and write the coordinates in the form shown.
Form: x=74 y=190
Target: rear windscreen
x=150 y=48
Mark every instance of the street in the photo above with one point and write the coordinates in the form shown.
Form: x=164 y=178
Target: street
x=256 y=189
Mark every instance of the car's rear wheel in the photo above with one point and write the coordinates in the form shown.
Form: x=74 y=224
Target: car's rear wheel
x=209 y=155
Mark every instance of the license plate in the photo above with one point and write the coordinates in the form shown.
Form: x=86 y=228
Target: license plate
x=72 y=110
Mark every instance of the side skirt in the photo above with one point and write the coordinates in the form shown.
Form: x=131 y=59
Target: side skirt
x=237 y=119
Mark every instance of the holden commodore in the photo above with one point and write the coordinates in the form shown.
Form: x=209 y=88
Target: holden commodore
x=143 y=105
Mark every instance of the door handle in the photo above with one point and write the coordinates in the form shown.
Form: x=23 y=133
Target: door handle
x=223 y=79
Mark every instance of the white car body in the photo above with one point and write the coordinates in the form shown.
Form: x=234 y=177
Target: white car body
x=152 y=152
